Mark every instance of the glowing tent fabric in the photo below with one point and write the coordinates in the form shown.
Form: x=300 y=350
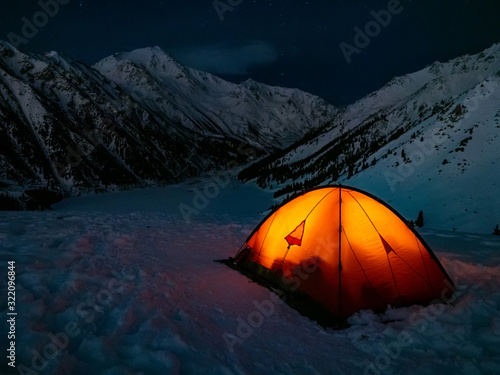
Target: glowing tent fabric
x=345 y=249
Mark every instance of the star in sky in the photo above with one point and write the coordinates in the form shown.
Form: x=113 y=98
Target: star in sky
x=262 y=39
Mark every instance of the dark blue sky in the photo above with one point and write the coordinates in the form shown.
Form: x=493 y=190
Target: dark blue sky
x=286 y=43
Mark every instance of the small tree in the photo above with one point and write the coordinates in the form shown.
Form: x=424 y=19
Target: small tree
x=496 y=231
x=420 y=220
x=458 y=110
x=350 y=171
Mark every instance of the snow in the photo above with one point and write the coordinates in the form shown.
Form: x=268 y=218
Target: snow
x=460 y=194
x=122 y=284
x=452 y=112
x=279 y=115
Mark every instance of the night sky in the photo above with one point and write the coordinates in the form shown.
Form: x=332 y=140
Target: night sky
x=285 y=43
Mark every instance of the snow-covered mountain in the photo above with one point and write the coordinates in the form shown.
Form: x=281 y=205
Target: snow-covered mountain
x=146 y=119
x=426 y=141
x=269 y=117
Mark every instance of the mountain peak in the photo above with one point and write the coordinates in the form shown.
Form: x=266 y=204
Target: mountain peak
x=145 y=56
x=7 y=49
x=153 y=59
x=438 y=126
x=132 y=107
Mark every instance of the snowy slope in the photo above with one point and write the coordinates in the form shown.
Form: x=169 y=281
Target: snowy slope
x=270 y=117
x=428 y=141
x=67 y=128
x=63 y=124
x=135 y=290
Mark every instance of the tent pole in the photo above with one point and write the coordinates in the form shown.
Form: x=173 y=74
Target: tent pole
x=340 y=243
x=281 y=264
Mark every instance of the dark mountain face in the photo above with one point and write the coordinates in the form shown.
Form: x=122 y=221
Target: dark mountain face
x=67 y=128
x=426 y=141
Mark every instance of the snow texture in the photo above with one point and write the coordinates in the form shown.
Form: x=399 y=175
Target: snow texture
x=121 y=284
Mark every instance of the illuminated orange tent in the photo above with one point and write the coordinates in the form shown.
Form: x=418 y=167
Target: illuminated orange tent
x=346 y=250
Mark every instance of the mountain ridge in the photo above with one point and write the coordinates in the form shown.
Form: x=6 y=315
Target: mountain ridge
x=445 y=108
x=67 y=128
x=280 y=104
